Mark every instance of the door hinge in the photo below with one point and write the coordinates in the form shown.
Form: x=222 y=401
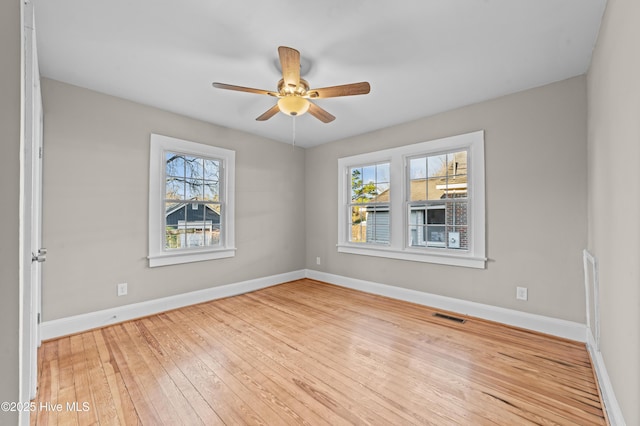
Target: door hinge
x=40 y=152
x=38 y=317
x=40 y=257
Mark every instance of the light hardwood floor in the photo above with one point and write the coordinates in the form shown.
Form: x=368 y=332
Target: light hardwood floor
x=311 y=353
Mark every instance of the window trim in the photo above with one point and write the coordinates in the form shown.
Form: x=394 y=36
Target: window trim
x=473 y=257
x=158 y=256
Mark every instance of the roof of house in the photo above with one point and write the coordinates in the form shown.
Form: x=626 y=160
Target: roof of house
x=175 y=208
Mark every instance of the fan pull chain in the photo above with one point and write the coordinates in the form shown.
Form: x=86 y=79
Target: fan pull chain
x=293 y=137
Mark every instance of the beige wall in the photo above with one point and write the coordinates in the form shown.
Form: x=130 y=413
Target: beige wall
x=10 y=195
x=614 y=197
x=96 y=172
x=535 y=153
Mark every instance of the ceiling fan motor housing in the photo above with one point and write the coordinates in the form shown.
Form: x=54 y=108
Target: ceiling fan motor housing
x=292 y=101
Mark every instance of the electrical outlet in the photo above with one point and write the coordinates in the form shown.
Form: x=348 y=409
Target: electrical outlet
x=318 y=260
x=521 y=293
x=122 y=289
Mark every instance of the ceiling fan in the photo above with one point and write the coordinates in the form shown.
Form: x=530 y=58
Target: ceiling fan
x=293 y=92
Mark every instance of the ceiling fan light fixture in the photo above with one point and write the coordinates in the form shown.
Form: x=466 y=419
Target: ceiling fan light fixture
x=293 y=105
x=293 y=92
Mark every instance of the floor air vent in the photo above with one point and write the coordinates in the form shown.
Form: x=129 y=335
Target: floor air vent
x=450 y=318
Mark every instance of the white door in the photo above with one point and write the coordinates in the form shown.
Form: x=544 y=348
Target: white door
x=32 y=252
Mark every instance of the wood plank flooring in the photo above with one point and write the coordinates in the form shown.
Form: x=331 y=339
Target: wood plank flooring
x=311 y=353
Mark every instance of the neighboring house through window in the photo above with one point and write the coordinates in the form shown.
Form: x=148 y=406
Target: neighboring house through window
x=421 y=202
x=438 y=200
x=369 y=211
x=191 y=205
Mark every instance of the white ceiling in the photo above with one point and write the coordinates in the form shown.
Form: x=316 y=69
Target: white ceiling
x=420 y=56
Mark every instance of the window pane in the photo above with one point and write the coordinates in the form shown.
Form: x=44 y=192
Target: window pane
x=377 y=226
x=437 y=165
x=370 y=183
x=358 y=224
x=382 y=193
x=356 y=184
x=174 y=164
x=369 y=174
x=436 y=214
x=358 y=232
x=174 y=225
x=195 y=224
x=174 y=212
x=202 y=225
x=418 y=190
x=418 y=168
x=457 y=213
x=358 y=214
x=457 y=162
x=457 y=178
x=382 y=173
x=417 y=215
x=211 y=191
x=174 y=188
x=194 y=189
x=435 y=188
x=366 y=193
x=171 y=237
x=435 y=236
x=417 y=230
x=417 y=175
x=457 y=237
x=213 y=225
x=211 y=169
x=193 y=167
x=417 y=236
x=175 y=237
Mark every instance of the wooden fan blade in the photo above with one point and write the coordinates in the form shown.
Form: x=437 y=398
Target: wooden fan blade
x=344 y=90
x=320 y=113
x=243 y=89
x=290 y=63
x=269 y=113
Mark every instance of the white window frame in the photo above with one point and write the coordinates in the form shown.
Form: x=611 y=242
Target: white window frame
x=158 y=256
x=473 y=257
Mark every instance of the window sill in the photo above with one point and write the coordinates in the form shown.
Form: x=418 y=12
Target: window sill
x=165 y=259
x=447 y=258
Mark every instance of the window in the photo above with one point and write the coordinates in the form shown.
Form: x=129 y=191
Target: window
x=192 y=201
x=191 y=206
x=438 y=200
x=369 y=204
x=421 y=202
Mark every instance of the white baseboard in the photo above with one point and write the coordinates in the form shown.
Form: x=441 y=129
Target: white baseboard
x=79 y=323
x=614 y=413
x=556 y=327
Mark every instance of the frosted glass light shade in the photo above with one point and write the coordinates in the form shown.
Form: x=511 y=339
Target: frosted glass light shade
x=293 y=105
